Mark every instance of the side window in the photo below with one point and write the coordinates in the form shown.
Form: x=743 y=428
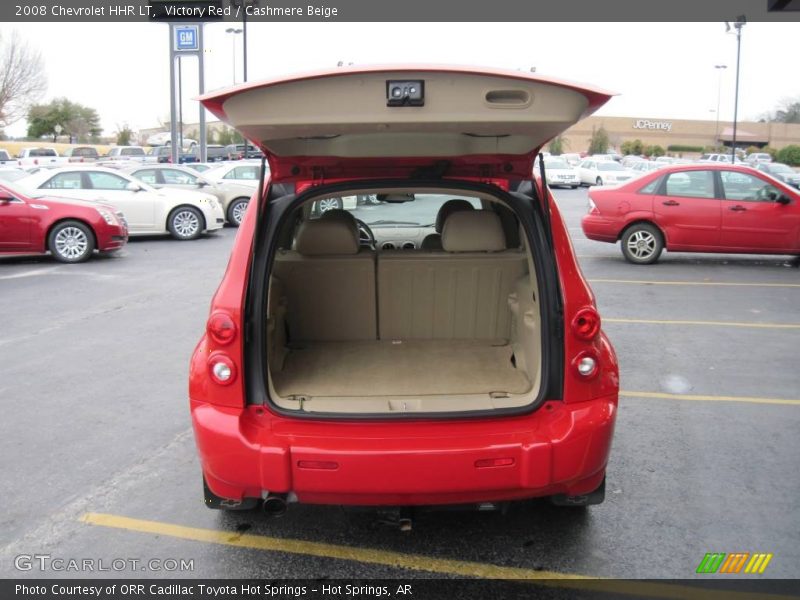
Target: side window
x=147 y=175
x=106 y=181
x=651 y=187
x=175 y=177
x=691 y=184
x=746 y=187
x=243 y=173
x=64 y=181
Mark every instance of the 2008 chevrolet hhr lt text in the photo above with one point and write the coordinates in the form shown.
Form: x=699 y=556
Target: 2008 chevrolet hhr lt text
x=403 y=321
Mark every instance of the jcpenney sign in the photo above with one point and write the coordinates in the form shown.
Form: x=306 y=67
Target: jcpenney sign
x=645 y=124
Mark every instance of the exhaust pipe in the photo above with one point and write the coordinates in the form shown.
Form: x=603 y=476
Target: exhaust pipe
x=274 y=505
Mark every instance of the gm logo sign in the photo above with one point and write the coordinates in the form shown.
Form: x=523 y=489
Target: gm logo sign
x=738 y=562
x=186 y=38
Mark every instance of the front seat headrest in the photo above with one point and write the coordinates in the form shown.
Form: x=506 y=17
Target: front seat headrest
x=447 y=209
x=324 y=236
x=473 y=231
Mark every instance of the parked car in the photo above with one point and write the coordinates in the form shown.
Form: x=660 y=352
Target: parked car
x=130 y=153
x=200 y=167
x=5 y=158
x=242 y=151
x=163 y=154
x=717 y=158
x=70 y=230
x=232 y=196
x=559 y=173
x=645 y=166
x=244 y=173
x=573 y=159
x=81 y=154
x=696 y=208
x=214 y=153
x=631 y=159
x=182 y=214
x=602 y=172
x=426 y=378
x=29 y=157
x=780 y=171
x=757 y=158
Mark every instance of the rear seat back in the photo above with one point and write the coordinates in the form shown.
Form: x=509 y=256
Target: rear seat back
x=329 y=283
x=459 y=293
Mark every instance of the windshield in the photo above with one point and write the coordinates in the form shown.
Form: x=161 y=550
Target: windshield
x=419 y=211
x=556 y=164
x=610 y=166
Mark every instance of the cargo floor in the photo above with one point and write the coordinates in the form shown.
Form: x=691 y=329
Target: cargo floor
x=386 y=368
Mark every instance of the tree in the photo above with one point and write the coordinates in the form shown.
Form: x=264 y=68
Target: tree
x=789 y=155
x=634 y=147
x=76 y=121
x=22 y=78
x=558 y=145
x=228 y=136
x=124 y=135
x=787 y=112
x=598 y=144
x=653 y=151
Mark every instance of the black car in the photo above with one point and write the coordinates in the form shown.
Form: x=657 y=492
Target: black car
x=781 y=172
x=240 y=151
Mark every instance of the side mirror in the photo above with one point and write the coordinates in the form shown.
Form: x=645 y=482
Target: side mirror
x=202 y=183
x=783 y=199
x=133 y=187
x=5 y=198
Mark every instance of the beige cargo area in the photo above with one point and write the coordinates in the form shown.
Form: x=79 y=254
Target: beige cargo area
x=352 y=330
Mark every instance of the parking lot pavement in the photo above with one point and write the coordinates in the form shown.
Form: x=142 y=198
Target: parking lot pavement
x=704 y=458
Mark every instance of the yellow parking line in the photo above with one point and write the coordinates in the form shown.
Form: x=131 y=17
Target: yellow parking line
x=417 y=562
x=712 y=323
x=709 y=283
x=701 y=398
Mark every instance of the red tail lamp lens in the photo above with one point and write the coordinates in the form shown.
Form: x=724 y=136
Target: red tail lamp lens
x=222 y=369
x=586 y=324
x=222 y=328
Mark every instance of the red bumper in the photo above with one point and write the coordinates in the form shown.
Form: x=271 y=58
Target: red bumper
x=562 y=448
x=111 y=237
x=600 y=229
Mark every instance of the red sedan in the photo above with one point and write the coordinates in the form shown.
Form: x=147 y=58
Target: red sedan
x=71 y=230
x=696 y=208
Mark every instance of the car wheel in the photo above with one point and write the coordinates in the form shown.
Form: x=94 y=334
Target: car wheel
x=185 y=223
x=574 y=187
x=598 y=181
x=329 y=204
x=642 y=244
x=236 y=210
x=71 y=242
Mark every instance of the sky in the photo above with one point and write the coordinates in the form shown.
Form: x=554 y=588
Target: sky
x=659 y=70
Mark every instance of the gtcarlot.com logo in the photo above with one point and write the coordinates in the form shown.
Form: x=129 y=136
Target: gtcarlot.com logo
x=47 y=562
x=735 y=563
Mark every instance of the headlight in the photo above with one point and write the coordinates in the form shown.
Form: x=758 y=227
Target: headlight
x=107 y=216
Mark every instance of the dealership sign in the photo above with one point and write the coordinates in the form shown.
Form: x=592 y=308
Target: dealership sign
x=645 y=124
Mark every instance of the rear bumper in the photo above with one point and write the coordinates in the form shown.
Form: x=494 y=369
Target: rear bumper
x=600 y=229
x=562 y=448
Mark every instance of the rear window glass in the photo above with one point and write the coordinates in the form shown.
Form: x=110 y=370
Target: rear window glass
x=132 y=152
x=42 y=152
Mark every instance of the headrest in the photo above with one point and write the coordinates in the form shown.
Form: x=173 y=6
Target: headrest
x=340 y=214
x=473 y=231
x=447 y=209
x=320 y=237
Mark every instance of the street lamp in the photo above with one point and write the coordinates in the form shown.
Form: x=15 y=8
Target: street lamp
x=740 y=22
x=719 y=68
x=235 y=32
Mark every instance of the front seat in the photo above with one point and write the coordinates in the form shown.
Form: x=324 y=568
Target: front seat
x=434 y=240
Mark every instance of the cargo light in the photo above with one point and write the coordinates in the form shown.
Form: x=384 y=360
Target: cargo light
x=221 y=327
x=222 y=369
x=586 y=324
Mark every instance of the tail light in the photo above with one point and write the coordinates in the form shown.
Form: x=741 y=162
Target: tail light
x=221 y=368
x=221 y=327
x=586 y=324
x=586 y=365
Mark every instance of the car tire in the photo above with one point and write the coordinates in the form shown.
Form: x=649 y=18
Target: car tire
x=642 y=244
x=236 y=210
x=71 y=242
x=573 y=187
x=185 y=223
x=598 y=181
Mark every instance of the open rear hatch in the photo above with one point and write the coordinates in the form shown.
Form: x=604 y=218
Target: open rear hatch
x=349 y=122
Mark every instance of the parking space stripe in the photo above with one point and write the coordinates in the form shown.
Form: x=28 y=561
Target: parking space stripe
x=702 y=398
x=704 y=323
x=416 y=562
x=701 y=283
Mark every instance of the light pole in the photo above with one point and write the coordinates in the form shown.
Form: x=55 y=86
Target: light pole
x=235 y=32
x=242 y=5
x=740 y=22
x=719 y=68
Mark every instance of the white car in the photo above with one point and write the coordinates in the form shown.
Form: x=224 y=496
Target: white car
x=246 y=173
x=603 y=172
x=560 y=173
x=182 y=214
x=233 y=195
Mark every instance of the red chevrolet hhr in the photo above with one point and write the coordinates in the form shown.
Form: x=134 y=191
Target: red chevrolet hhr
x=403 y=321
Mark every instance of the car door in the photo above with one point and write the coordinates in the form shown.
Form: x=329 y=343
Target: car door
x=586 y=171
x=15 y=222
x=69 y=184
x=753 y=219
x=138 y=207
x=687 y=208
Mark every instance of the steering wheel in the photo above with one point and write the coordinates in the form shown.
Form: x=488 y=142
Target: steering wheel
x=366 y=238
